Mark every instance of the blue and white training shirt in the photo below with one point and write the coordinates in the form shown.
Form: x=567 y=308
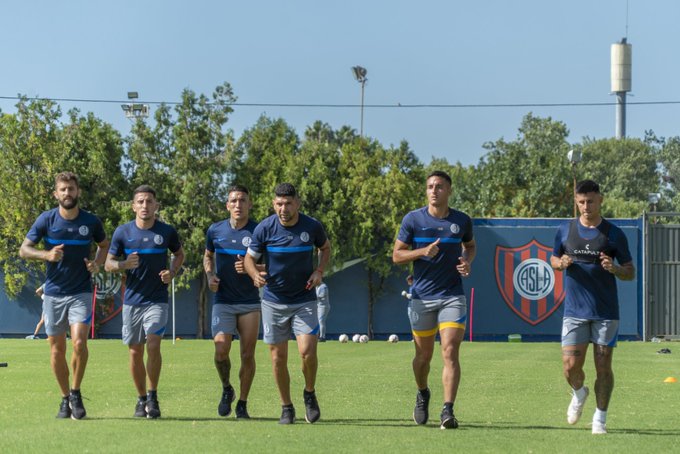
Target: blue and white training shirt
x=436 y=277
x=289 y=256
x=69 y=276
x=227 y=243
x=143 y=284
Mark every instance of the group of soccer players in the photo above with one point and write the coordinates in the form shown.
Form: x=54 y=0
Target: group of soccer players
x=278 y=256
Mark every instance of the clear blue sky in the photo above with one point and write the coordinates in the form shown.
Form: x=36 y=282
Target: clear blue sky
x=416 y=52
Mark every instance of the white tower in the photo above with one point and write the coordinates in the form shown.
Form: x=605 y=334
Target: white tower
x=621 y=81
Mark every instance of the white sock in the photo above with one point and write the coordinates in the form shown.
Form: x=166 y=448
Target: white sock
x=600 y=416
x=580 y=393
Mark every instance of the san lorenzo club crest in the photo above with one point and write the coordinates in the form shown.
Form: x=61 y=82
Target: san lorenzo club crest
x=527 y=282
x=108 y=285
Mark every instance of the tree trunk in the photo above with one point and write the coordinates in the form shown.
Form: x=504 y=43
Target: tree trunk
x=371 y=300
x=202 y=305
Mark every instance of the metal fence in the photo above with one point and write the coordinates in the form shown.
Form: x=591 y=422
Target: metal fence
x=661 y=274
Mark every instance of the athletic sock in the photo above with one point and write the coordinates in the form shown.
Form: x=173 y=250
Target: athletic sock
x=152 y=395
x=425 y=392
x=600 y=416
x=75 y=392
x=580 y=393
x=448 y=406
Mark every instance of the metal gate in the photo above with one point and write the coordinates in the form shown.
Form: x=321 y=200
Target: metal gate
x=662 y=277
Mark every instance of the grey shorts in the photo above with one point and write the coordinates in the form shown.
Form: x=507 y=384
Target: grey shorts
x=225 y=317
x=280 y=320
x=428 y=317
x=140 y=321
x=577 y=331
x=62 y=311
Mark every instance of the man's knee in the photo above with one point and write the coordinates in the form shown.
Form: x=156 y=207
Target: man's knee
x=450 y=354
x=247 y=356
x=222 y=349
x=79 y=346
x=279 y=356
x=424 y=355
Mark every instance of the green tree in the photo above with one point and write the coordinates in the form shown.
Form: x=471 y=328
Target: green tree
x=627 y=171
x=669 y=160
x=35 y=146
x=528 y=177
x=381 y=185
x=262 y=158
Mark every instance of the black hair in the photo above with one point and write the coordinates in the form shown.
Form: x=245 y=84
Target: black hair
x=238 y=188
x=440 y=174
x=586 y=186
x=146 y=189
x=285 y=190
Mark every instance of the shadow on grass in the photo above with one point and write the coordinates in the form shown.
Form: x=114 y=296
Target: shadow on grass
x=405 y=423
x=179 y=418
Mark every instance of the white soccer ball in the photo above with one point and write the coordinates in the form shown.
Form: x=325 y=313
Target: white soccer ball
x=393 y=339
x=343 y=338
x=355 y=338
x=363 y=338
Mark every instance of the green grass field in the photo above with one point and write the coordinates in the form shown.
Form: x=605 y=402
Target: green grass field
x=512 y=399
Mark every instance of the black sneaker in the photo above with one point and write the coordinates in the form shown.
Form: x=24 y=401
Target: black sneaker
x=312 y=412
x=448 y=419
x=140 y=408
x=153 y=410
x=420 y=412
x=241 y=410
x=64 y=409
x=224 y=408
x=75 y=401
x=287 y=414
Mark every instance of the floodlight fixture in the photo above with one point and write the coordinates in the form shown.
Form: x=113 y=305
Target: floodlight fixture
x=654 y=197
x=359 y=73
x=574 y=156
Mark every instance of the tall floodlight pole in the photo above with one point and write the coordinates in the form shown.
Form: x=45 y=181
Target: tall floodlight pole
x=574 y=157
x=360 y=75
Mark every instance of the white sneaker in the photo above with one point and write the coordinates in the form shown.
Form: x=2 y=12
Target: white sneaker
x=599 y=428
x=575 y=409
